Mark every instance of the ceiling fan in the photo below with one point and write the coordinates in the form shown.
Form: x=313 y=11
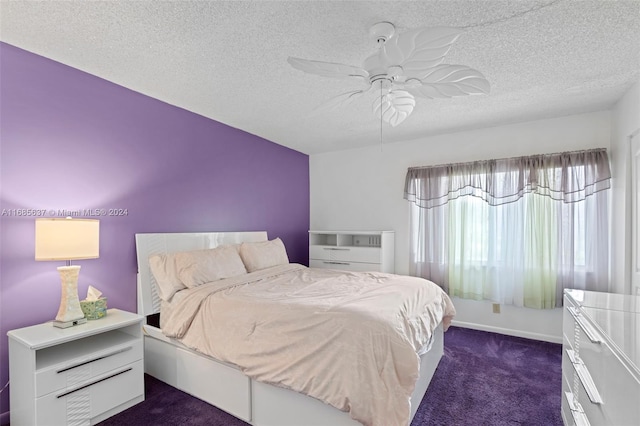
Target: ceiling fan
x=406 y=65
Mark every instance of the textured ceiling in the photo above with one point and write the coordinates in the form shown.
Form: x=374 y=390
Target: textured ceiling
x=228 y=60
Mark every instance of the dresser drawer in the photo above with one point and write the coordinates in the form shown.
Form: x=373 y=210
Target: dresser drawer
x=344 y=266
x=83 y=369
x=591 y=355
x=580 y=334
x=568 y=323
x=346 y=254
x=581 y=413
x=617 y=387
x=80 y=403
x=591 y=406
x=602 y=329
x=620 y=389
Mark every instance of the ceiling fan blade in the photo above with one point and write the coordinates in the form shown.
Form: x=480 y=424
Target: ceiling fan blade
x=425 y=58
x=394 y=107
x=328 y=69
x=338 y=101
x=419 y=45
x=433 y=37
x=446 y=81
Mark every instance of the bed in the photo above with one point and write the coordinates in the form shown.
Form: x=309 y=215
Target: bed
x=266 y=382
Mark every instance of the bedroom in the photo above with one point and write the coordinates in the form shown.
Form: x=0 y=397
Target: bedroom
x=157 y=159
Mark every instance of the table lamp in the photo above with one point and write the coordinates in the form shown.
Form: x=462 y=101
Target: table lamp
x=68 y=239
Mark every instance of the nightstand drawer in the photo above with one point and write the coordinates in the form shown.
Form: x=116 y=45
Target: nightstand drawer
x=83 y=369
x=345 y=266
x=79 y=404
x=346 y=254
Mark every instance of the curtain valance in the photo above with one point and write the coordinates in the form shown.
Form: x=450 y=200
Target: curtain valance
x=567 y=176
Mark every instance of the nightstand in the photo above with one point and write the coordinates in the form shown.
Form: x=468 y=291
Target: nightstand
x=78 y=375
x=352 y=251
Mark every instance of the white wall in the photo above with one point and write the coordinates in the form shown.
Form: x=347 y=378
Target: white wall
x=625 y=120
x=362 y=189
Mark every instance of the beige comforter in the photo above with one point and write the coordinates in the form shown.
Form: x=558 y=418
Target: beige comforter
x=348 y=339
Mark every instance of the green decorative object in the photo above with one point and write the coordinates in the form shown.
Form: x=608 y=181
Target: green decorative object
x=94 y=309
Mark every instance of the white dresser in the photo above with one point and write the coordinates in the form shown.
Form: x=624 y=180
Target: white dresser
x=78 y=375
x=601 y=359
x=352 y=250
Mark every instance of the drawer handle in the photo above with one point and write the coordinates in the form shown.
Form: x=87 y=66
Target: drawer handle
x=588 y=330
x=95 y=382
x=585 y=378
x=579 y=417
x=80 y=364
x=337 y=263
x=336 y=248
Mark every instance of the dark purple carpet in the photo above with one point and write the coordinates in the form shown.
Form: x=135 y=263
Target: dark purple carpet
x=491 y=379
x=483 y=379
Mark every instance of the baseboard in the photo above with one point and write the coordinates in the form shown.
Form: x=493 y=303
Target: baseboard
x=508 y=331
x=4 y=418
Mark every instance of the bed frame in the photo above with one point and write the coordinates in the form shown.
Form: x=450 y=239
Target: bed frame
x=224 y=385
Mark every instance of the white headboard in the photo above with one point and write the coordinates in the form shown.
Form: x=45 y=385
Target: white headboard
x=148 y=244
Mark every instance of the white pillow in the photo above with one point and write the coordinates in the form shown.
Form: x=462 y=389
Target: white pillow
x=163 y=268
x=203 y=266
x=263 y=254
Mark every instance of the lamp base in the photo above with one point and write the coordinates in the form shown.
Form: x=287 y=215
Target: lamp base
x=67 y=324
x=69 y=313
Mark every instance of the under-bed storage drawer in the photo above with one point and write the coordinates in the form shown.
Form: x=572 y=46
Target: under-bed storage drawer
x=216 y=383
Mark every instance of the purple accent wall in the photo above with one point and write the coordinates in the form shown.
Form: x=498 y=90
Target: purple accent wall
x=73 y=141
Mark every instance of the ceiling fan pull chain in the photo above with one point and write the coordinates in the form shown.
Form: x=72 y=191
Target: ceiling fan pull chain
x=381 y=121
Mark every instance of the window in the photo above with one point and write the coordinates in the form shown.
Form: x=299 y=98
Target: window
x=515 y=231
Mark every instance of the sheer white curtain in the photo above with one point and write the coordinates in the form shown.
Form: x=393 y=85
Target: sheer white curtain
x=515 y=231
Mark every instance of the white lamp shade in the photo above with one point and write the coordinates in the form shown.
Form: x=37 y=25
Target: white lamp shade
x=67 y=239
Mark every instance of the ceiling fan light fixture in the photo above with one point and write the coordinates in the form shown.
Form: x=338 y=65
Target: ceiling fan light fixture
x=394 y=107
